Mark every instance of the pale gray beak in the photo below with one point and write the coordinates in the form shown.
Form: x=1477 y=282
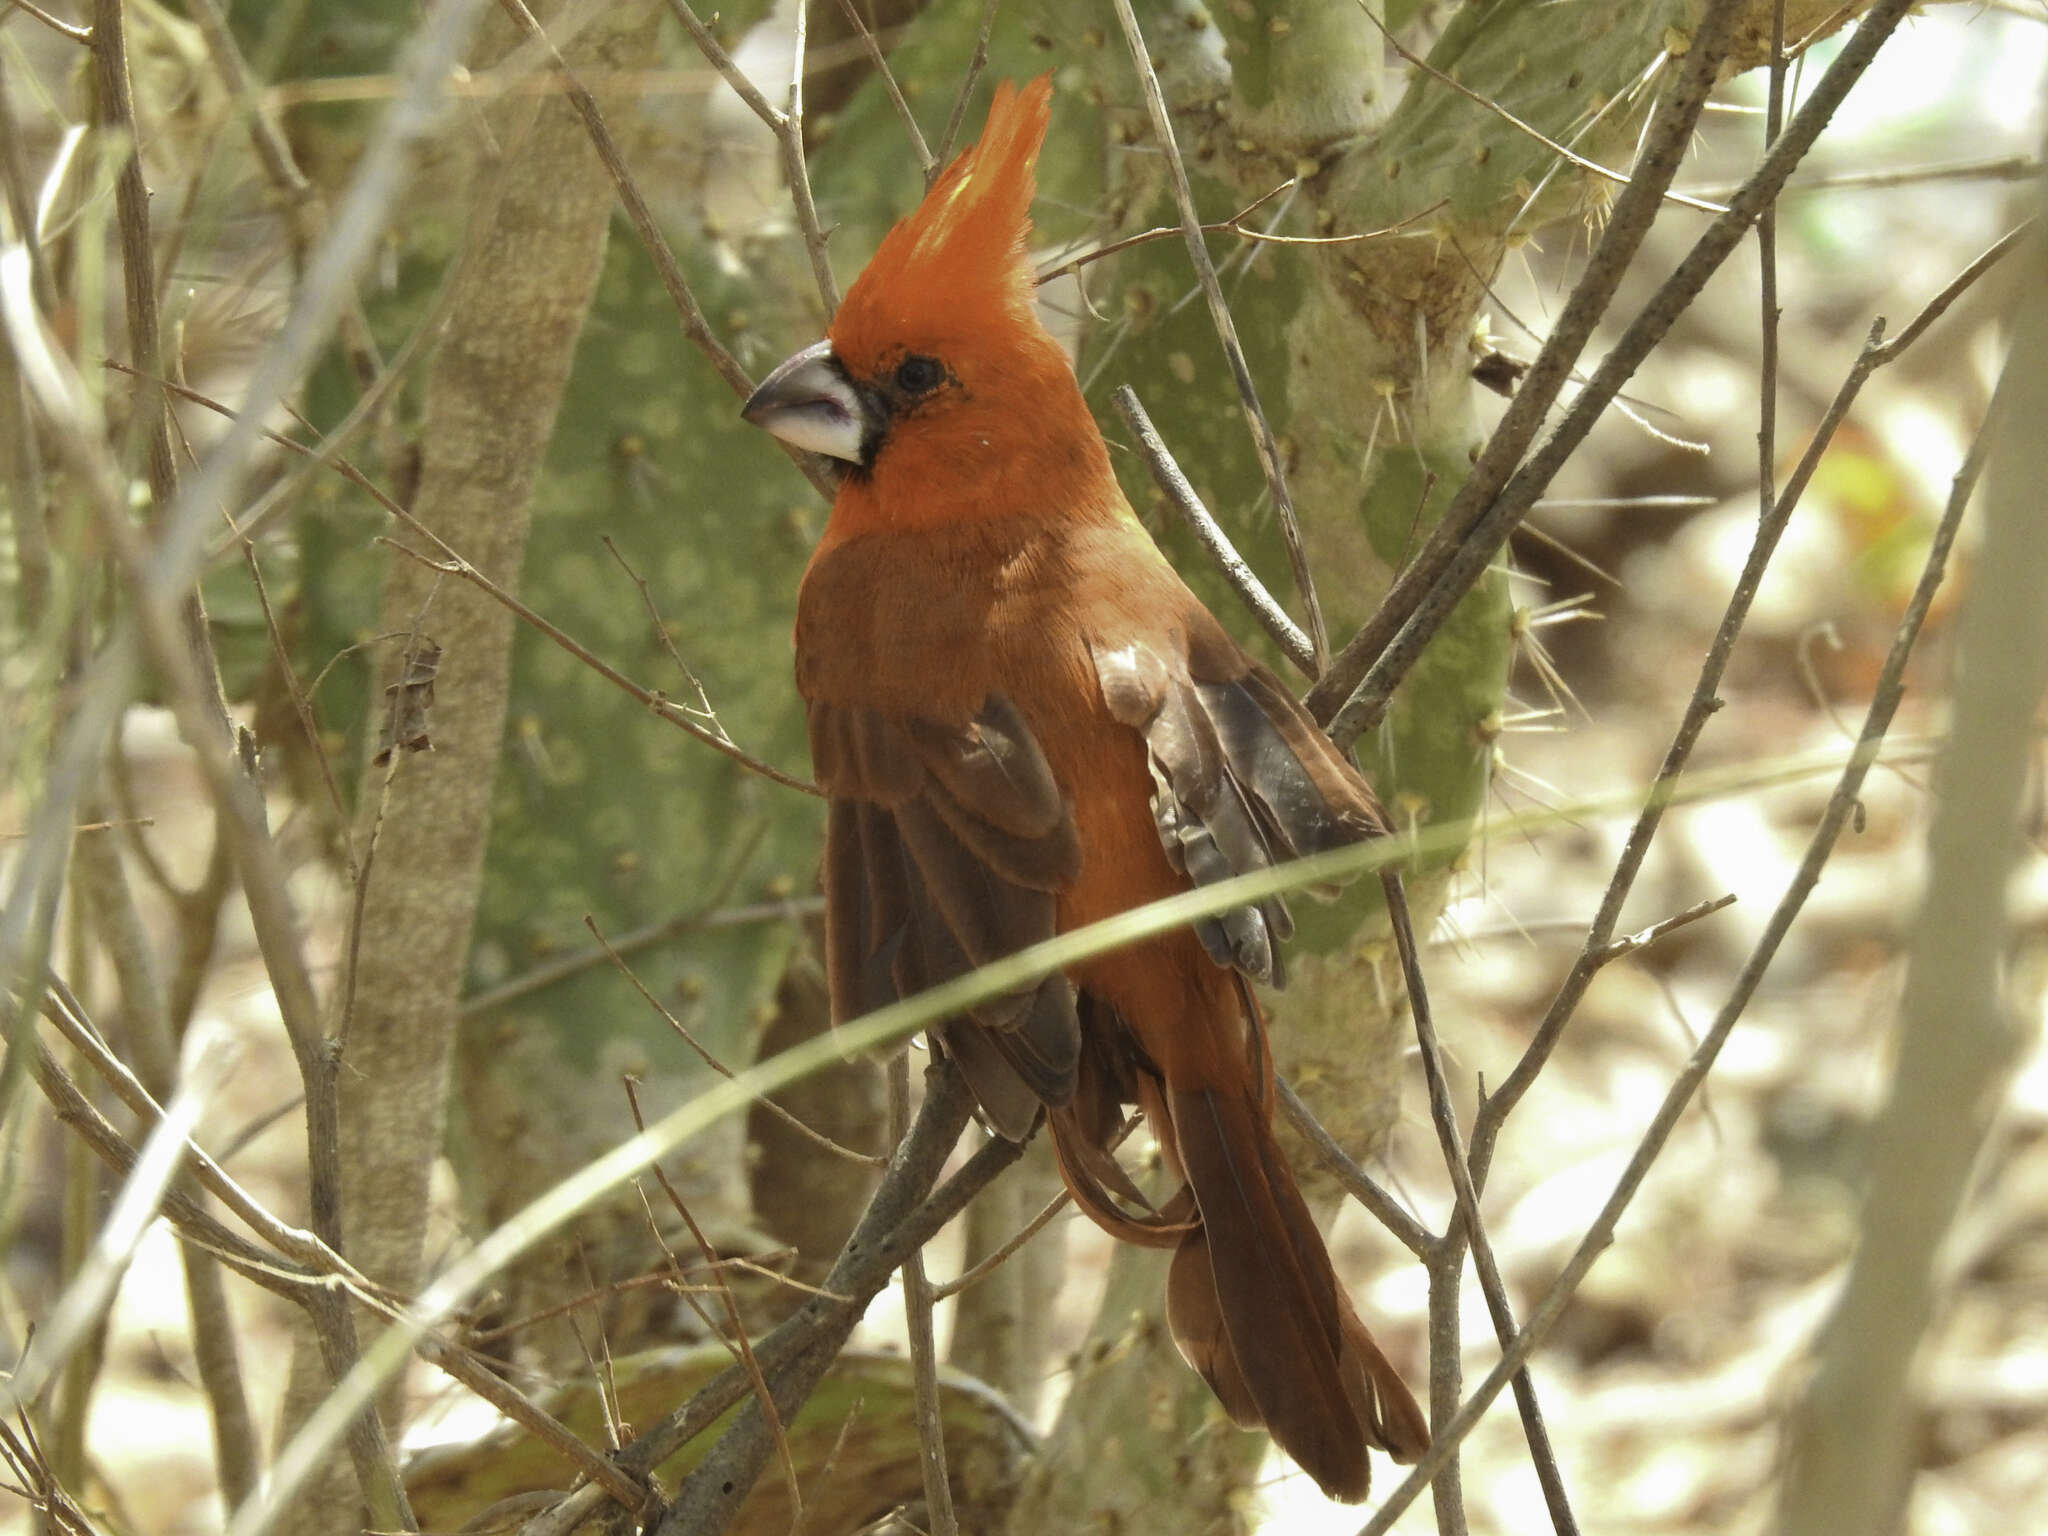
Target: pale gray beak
x=811 y=403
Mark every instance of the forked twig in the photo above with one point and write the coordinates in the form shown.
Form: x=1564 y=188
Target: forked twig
x=1469 y=1228
x=787 y=125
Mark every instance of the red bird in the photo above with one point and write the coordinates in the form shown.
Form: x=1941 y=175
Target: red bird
x=1025 y=722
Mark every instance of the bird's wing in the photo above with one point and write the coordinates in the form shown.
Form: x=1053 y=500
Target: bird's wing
x=945 y=848
x=1242 y=779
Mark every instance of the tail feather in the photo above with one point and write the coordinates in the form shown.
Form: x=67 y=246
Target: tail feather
x=1256 y=1307
x=1195 y=1317
x=1398 y=1427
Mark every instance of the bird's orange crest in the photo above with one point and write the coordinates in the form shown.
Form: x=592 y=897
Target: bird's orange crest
x=961 y=252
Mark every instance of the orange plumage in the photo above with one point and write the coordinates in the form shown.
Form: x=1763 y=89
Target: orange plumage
x=1025 y=722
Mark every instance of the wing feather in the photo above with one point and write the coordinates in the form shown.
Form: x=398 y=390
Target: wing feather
x=1242 y=779
x=946 y=847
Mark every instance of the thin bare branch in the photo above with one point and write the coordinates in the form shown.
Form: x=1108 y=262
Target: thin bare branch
x=207 y=1058
x=798 y=173
x=448 y=562
x=873 y=49
x=1234 y=225
x=1562 y=151
x=1359 y=1184
x=61 y=28
x=563 y=967
x=695 y=327
x=714 y=1491
x=809 y=1340
x=1180 y=495
x=1470 y=1228
x=1995 y=168
x=194 y=1225
x=1700 y=708
x=1957 y=286
x=461 y=1365
x=1226 y=332
x=924 y=1352
x=817 y=1138
x=1885 y=699
x=305 y=1248
x=1767 y=287
x=787 y=125
x=1643 y=938
x=739 y=1342
x=452 y=564
x=302 y=708
x=994 y=1261
x=153 y=1036
x=976 y=63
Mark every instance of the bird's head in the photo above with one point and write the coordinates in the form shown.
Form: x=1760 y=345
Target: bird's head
x=938 y=388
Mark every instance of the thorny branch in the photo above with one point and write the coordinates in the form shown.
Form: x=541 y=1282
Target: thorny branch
x=1497 y=494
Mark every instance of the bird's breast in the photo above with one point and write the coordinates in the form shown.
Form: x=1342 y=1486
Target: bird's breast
x=929 y=627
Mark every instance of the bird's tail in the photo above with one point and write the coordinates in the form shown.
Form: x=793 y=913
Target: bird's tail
x=1256 y=1307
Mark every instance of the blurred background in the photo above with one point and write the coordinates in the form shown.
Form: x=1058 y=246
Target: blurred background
x=524 y=385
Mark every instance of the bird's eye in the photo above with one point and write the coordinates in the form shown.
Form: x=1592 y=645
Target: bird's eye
x=920 y=375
